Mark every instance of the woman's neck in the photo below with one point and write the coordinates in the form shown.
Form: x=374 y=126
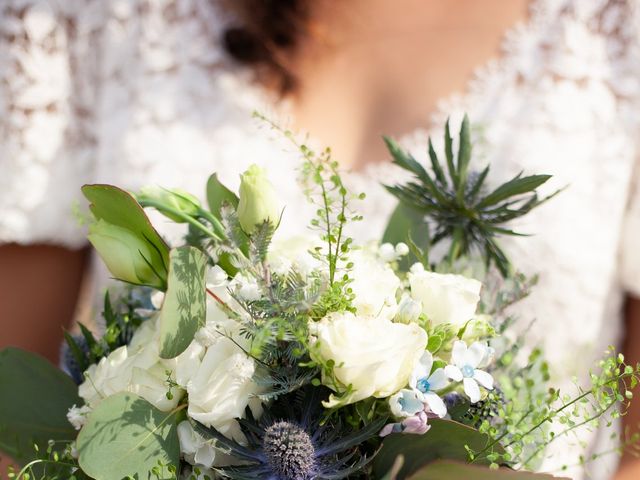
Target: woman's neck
x=376 y=66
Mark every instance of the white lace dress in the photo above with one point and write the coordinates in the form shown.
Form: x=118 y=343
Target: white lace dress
x=137 y=92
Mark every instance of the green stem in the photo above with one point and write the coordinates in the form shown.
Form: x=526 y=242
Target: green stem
x=187 y=218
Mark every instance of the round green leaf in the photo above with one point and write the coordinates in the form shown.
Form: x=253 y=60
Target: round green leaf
x=127 y=436
x=34 y=402
x=445 y=440
x=459 y=471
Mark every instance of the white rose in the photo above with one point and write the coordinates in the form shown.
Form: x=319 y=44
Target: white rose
x=135 y=368
x=223 y=385
x=374 y=285
x=375 y=356
x=294 y=253
x=445 y=298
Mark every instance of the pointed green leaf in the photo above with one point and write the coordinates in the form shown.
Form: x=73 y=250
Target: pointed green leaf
x=458 y=471
x=126 y=436
x=448 y=151
x=464 y=156
x=445 y=439
x=404 y=159
x=477 y=185
x=217 y=194
x=435 y=165
x=184 y=307
x=517 y=186
x=34 y=402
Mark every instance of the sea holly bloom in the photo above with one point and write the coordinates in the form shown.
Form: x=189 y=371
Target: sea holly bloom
x=425 y=383
x=465 y=361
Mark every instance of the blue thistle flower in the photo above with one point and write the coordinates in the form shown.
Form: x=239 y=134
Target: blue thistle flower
x=288 y=443
x=69 y=362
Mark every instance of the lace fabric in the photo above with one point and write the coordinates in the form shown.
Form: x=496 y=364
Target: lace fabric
x=135 y=92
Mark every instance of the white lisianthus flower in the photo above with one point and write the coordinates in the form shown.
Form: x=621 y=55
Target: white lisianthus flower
x=223 y=386
x=372 y=355
x=446 y=298
x=374 y=285
x=201 y=452
x=77 y=416
x=465 y=361
x=138 y=368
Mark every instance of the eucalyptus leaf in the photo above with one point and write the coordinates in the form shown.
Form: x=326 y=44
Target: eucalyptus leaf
x=184 y=307
x=127 y=436
x=34 y=402
x=442 y=469
x=445 y=440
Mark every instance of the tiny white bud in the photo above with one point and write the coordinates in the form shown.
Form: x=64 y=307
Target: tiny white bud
x=386 y=252
x=409 y=310
x=417 y=268
x=402 y=249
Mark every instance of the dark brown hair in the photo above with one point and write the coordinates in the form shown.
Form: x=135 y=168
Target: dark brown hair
x=266 y=36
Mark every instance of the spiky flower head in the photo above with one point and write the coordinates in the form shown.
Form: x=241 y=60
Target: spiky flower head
x=288 y=442
x=457 y=205
x=289 y=451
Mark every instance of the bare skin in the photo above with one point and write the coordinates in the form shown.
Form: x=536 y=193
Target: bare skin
x=375 y=67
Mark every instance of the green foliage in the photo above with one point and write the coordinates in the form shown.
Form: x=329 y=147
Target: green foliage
x=56 y=462
x=457 y=204
x=442 y=469
x=34 y=403
x=184 y=308
x=119 y=208
x=120 y=322
x=446 y=439
x=326 y=191
x=531 y=419
x=126 y=436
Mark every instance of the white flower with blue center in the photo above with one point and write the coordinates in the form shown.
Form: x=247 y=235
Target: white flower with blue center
x=406 y=403
x=425 y=383
x=465 y=362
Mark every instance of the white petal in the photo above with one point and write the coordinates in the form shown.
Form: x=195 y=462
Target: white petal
x=438 y=379
x=436 y=404
x=458 y=353
x=422 y=369
x=453 y=372
x=476 y=352
x=484 y=379
x=427 y=362
x=471 y=389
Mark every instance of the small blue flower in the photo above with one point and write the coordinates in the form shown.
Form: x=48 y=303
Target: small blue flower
x=426 y=383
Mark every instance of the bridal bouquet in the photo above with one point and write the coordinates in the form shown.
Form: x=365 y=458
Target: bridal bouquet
x=241 y=354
